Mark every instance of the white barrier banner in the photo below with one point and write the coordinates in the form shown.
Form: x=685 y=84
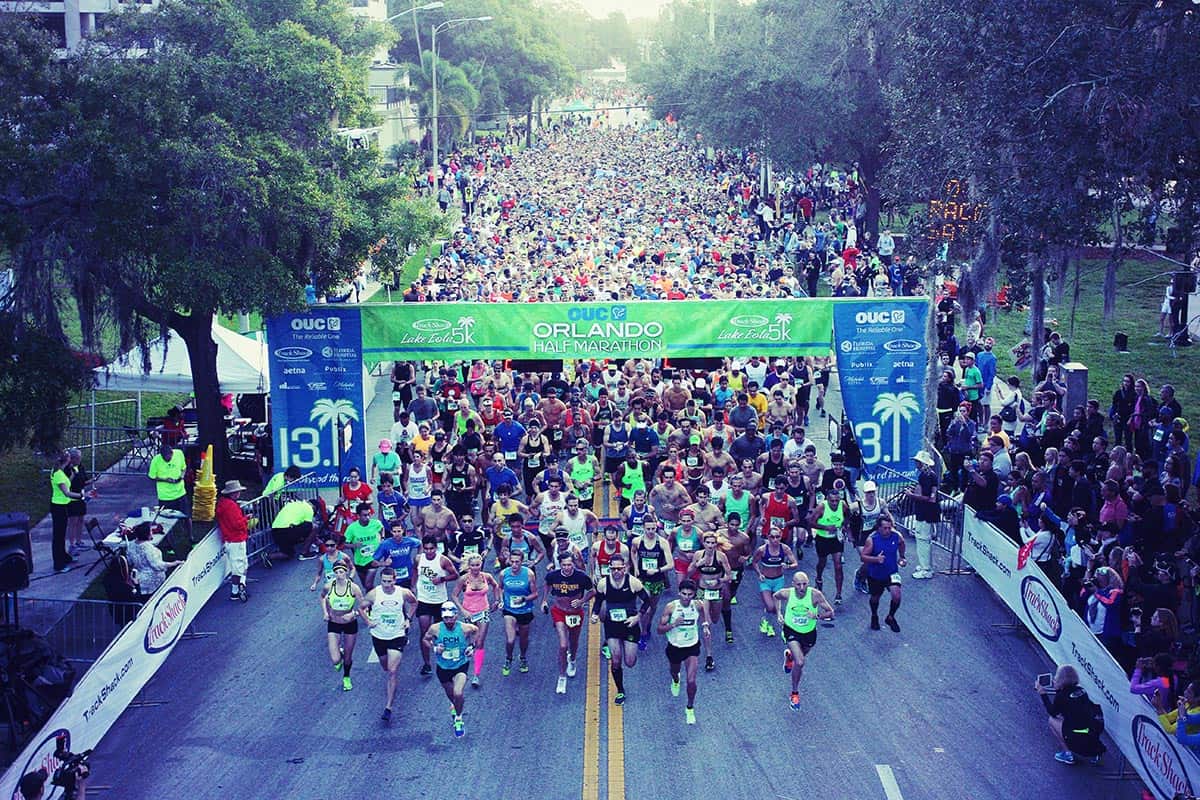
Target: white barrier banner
x=1129 y=719
x=111 y=684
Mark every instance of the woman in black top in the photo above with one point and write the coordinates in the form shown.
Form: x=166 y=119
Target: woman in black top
x=1071 y=717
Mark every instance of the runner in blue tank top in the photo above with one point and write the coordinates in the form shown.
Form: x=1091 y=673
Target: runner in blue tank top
x=451 y=641
x=519 y=592
x=884 y=555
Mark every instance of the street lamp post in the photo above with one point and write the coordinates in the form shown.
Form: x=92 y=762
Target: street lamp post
x=433 y=32
x=413 y=11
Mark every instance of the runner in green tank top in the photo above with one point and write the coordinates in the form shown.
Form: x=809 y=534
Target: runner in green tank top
x=826 y=521
x=740 y=501
x=799 y=609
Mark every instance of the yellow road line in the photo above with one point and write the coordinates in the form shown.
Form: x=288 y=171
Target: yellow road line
x=616 y=750
x=591 y=717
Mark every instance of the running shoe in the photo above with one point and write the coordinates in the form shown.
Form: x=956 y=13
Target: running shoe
x=820 y=585
x=837 y=600
x=874 y=623
x=506 y=670
x=426 y=670
x=643 y=642
x=561 y=688
x=346 y=684
x=310 y=555
x=891 y=623
x=733 y=601
x=524 y=666
x=619 y=699
x=794 y=701
x=1065 y=757
x=690 y=715
x=762 y=626
x=709 y=664
x=860 y=585
x=728 y=637
x=788 y=660
x=337 y=667
x=386 y=716
x=571 y=668
x=674 y=687
x=460 y=728
x=475 y=681
x=605 y=652
x=770 y=631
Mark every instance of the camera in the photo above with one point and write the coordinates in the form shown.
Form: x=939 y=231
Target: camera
x=72 y=768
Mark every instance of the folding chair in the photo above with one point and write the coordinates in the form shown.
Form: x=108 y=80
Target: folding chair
x=96 y=535
x=141 y=448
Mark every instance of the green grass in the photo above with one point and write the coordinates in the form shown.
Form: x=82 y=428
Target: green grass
x=230 y=321
x=1137 y=314
x=24 y=476
x=409 y=273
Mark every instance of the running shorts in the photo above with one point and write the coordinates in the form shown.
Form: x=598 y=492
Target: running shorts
x=522 y=619
x=677 y=655
x=349 y=628
x=877 y=586
x=622 y=631
x=829 y=545
x=771 y=585
x=570 y=618
x=655 y=588
x=805 y=640
x=382 y=646
x=447 y=675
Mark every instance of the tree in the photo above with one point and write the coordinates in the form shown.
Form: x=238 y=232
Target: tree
x=406 y=221
x=202 y=175
x=457 y=97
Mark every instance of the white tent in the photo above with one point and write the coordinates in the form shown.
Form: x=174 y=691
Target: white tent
x=241 y=366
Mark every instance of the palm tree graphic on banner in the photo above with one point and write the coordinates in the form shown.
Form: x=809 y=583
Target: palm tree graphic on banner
x=895 y=407
x=784 y=320
x=464 y=329
x=332 y=412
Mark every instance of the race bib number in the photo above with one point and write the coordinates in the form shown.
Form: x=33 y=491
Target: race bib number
x=605 y=569
x=389 y=513
x=389 y=620
x=395 y=397
x=452 y=653
x=687 y=545
x=470 y=550
x=896 y=579
x=711 y=594
x=366 y=550
x=649 y=565
x=510 y=456
x=441 y=546
x=401 y=573
x=535 y=461
x=517 y=601
x=439 y=467
x=618 y=614
x=573 y=620
x=556 y=435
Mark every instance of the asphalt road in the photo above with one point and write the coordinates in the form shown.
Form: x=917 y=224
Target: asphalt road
x=943 y=708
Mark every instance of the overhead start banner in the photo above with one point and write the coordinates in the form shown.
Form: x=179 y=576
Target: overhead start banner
x=317 y=407
x=1130 y=720
x=642 y=329
x=882 y=358
x=124 y=669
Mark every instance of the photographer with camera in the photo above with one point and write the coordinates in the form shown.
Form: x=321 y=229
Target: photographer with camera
x=1076 y=721
x=71 y=776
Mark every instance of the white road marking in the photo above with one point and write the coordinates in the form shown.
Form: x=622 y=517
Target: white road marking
x=890 y=788
x=373 y=658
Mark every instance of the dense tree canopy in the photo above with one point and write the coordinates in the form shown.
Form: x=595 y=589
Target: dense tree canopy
x=201 y=175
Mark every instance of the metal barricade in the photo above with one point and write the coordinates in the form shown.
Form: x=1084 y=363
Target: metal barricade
x=261 y=513
x=78 y=630
x=893 y=493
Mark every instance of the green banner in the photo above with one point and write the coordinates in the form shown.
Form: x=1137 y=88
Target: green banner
x=642 y=329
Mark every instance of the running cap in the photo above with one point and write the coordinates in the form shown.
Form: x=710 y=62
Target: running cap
x=923 y=457
x=870 y=486
x=449 y=609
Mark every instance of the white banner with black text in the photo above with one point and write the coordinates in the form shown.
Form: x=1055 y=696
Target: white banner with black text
x=114 y=680
x=1129 y=719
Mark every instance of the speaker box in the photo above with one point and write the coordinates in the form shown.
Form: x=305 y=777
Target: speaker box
x=1121 y=343
x=1184 y=282
x=16 y=552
